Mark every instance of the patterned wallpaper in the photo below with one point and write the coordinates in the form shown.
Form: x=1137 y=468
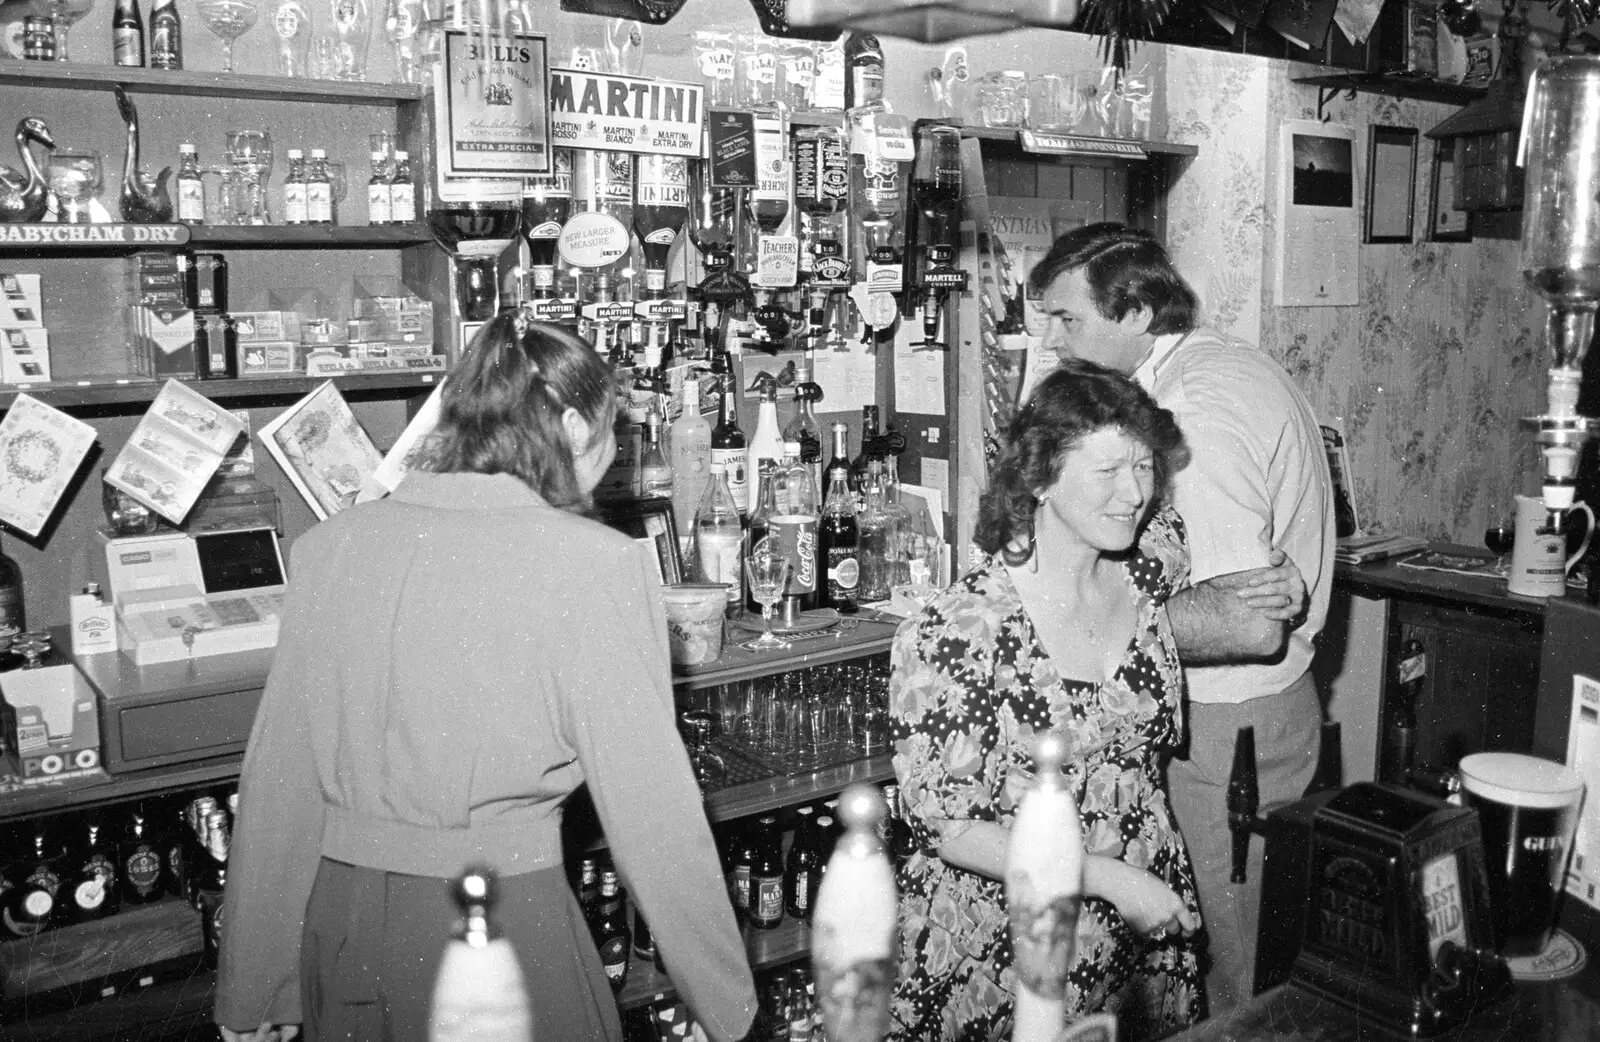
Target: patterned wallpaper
x=1430 y=372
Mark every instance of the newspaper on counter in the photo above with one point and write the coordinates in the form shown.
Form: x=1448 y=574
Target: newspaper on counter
x=41 y=448
x=174 y=451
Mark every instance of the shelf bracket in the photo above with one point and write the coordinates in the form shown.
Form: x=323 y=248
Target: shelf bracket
x=1327 y=94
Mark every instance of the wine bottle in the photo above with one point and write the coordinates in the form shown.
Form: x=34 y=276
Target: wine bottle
x=728 y=448
x=719 y=538
x=127 y=34
x=767 y=442
x=838 y=539
x=655 y=477
x=166 y=36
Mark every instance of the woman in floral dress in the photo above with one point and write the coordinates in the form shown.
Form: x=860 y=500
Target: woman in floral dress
x=1065 y=629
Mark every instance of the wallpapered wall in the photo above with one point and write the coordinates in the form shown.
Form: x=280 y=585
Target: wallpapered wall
x=1430 y=372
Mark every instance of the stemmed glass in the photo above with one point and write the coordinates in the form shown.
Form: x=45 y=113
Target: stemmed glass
x=64 y=14
x=1500 y=531
x=402 y=20
x=228 y=20
x=767 y=569
x=75 y=178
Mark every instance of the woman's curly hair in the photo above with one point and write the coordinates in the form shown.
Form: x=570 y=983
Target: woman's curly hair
x=1072 y=401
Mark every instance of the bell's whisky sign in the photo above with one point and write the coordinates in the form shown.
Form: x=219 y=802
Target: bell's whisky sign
x=493 y=118
x=624 y=113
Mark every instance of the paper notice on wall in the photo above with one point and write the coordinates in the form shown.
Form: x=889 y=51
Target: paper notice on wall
x=40 y=449
x=918 y=372
x=1319 y=228
x=847 y=372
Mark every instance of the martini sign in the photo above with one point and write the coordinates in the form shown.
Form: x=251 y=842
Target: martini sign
x=624 y=113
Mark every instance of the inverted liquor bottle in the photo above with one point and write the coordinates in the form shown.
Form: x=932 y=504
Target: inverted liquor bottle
x=475 y=233
x=479 y=991
x=716 y=228
x=660 y=210
x=546 y=205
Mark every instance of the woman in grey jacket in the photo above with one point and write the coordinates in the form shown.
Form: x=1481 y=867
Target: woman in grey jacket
x=454 y=661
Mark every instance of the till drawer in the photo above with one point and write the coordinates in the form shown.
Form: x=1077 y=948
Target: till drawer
x=140 y=733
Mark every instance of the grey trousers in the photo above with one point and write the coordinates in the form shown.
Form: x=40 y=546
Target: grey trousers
x=1288 y=736
x=373 y=942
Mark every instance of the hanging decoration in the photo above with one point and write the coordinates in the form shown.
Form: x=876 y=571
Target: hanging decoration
x=1121 y=25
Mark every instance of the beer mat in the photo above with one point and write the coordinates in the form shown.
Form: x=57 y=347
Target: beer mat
x=1469 y=563
x=1562 y=957
x=738 y=767
x=808 y=622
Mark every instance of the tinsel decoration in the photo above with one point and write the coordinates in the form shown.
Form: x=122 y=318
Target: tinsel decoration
x=1574 y=14
x=1122 y=24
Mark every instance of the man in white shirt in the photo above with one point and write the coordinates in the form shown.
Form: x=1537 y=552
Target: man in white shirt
x=1257 y=480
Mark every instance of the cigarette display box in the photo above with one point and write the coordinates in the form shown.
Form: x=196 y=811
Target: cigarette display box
x=21 y=302
x=24 y=355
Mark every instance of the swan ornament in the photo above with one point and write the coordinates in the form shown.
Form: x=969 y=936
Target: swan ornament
x=143 y=201
x=24 y=196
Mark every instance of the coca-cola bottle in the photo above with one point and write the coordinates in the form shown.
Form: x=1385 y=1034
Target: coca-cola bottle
x=546 y=204
x=660 y=208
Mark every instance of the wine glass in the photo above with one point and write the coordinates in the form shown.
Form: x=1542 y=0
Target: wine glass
x=228 y=20
x=402 y=20
x=75 y=178
x=767 y=569
x=1500 y=531
x=64 y=14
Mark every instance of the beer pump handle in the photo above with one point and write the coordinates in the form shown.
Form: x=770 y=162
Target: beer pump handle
x=1329 y=774
x=1244 y=799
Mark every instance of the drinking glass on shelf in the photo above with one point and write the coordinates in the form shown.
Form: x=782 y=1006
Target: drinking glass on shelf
x=64 y=14
x=1002 y=99
x=767 y=569
x=402 y=20
x=1048 y=105
x=252 y=166
x=228 y=20
x=75 y=178
x=1500 y=531
x=338 y=185
x=1130 y=103
x=340 y=50
x=709 y=768
x=291 y=24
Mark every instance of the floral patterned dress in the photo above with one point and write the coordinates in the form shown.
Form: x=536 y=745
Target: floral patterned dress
x=971 y=686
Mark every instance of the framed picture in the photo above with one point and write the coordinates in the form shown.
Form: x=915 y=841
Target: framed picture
x=1445 y=222
x=649 y=522
x=1391 y=184
x=1316 y=251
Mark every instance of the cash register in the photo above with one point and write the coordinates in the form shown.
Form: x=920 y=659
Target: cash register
x=180 y=595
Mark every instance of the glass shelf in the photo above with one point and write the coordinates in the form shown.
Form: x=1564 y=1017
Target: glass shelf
x=84 y=76
x=138 y=391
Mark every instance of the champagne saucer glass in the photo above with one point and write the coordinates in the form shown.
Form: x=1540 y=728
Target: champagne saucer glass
x=76 y=179
x=768 y=571
x=228 y=20
x=64 y=14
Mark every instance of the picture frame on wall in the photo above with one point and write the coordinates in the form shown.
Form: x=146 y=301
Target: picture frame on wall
x=1391 y=184
x=1445 y=222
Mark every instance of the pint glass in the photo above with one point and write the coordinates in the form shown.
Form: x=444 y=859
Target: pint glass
x=1527 y=808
